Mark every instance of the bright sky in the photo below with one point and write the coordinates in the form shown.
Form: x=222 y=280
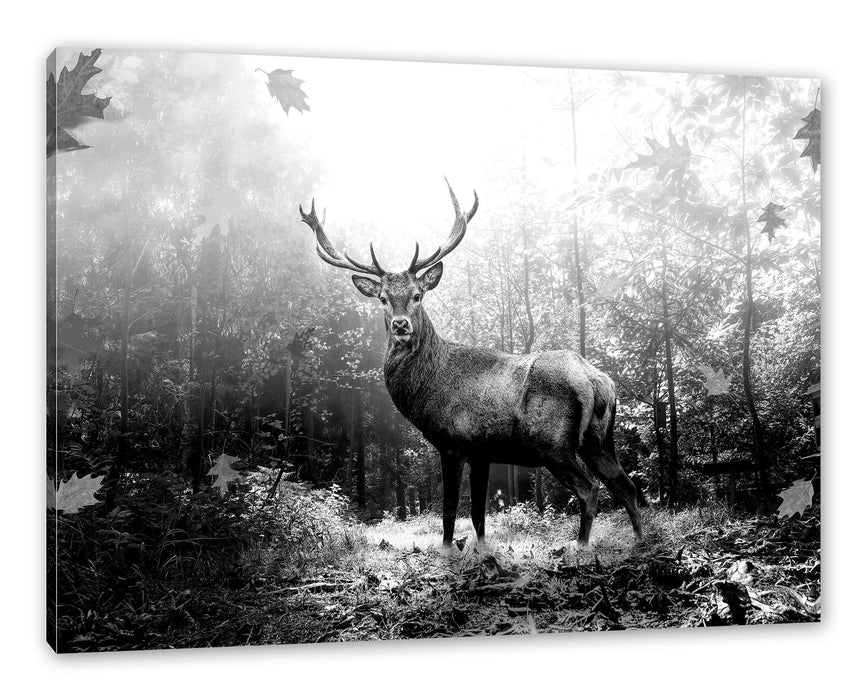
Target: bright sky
x=388 y=131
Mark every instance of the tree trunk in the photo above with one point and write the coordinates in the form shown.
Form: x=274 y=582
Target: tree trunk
x=529 y=337
x=528 y=341
x=410 y=494
x=659 y=421
x=120 y=465
x=673 y=467
x=748 y=317
x=473 y=335
x=578 y=269
x=401 y=496
x=539 y=490
x=360 y=465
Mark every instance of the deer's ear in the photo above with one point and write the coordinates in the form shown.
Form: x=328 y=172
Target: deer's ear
x=431 y=278
x=367 y=287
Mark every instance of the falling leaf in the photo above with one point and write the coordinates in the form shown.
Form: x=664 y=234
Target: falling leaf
x=608 y=288
x=224 y=473
x=715 y=382
x=796 y=499
x=673 y=158
x=222 y=204
x=286 y=89
x=73 y=495
x=772 y=220
x=811 y=132
x=67 y=107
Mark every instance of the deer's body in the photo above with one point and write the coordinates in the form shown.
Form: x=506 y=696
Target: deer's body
x=480 y=406
x=513 y=409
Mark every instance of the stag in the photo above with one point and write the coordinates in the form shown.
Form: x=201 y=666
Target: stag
x=480 y=406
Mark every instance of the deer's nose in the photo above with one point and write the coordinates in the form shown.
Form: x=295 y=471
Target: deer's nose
x=401 y=326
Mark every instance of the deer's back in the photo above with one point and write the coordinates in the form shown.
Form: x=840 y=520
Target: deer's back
x=513 y=408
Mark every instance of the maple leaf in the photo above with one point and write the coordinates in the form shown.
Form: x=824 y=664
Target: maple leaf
x=224 y=473
x=811 y=132
x=67 y=107
x=222 y=204
x=715 y=382
x=772 y=220
x=286 y=89
x=796 y=499
x=673 y=158
x=73 y=495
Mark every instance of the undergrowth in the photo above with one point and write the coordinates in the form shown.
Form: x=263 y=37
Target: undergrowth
x=169 y=568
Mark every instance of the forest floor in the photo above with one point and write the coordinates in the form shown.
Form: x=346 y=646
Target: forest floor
x=698 y=567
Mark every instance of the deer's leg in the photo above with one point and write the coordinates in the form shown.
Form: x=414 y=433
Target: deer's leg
x=604 y=463
x=452 y=473
x=478 y=478
x=571 y=474
x=588 y=513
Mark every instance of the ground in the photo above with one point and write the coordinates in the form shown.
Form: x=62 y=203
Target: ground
x=698 y=567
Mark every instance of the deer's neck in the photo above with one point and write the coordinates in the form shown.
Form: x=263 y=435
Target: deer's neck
x=411 y=370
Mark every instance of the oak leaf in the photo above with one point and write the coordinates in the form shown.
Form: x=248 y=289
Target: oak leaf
x=673 y=158
x=772 y=220
x=608 y=288
x=811 y=132
x=74 y=494
x=286 y=89
x=224 y=473
x=715 y=382
x=68 y=107
x=796 y=499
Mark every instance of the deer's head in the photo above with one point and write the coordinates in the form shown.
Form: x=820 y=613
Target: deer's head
x=400 y=293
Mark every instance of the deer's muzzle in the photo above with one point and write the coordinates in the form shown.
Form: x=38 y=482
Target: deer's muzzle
x=401 y=326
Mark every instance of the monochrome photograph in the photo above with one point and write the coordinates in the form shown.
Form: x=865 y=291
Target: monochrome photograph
x=346 y=350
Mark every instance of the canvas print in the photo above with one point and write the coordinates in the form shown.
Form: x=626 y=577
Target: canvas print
x=346 y=350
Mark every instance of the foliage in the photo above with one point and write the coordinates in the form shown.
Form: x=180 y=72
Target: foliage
x=225 y=475
x=68 y=106
x=811 y=132
x=74 y=494
x=772 y=220
x=172 y=549
x=796 y=498
x=191 y=320
x=286 y=89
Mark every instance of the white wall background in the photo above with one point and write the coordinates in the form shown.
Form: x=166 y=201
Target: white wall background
x=791 y=38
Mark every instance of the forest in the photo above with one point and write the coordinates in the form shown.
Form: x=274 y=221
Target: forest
x=225 y=465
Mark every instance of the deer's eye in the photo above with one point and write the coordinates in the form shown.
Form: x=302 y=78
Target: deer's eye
x=384 y=300
x=417 y=297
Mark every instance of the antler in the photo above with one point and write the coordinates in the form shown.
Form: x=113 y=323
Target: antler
x=461 y=221
x=327 y=252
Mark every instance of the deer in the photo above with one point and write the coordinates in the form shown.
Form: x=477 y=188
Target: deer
x=478 y=406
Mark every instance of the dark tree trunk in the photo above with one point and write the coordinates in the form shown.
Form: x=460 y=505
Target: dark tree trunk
x=673 y=467
x=659 y=421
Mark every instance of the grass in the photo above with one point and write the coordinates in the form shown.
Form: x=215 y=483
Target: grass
x=322 y=576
